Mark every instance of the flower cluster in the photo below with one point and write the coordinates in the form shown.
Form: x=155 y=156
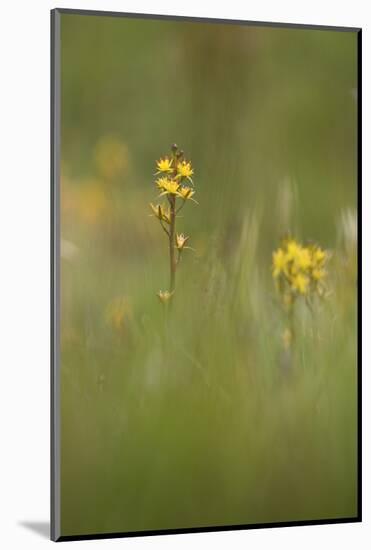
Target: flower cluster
x=299 y=270
x=168 y=186
x=176 y=167
x=174 y=183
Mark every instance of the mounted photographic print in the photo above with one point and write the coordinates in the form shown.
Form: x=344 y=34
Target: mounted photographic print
x=205 y=195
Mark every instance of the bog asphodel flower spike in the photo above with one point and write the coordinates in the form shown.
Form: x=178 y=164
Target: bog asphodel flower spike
x=299 y=272
x=299 y=269
x=174 y=171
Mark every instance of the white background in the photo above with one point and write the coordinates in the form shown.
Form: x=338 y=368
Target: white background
x=24 y=268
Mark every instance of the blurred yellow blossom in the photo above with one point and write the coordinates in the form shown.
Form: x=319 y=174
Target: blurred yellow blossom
x=300 y=283
x=111 y=157
x=180 y=241
x=303 y=258
x=279 y=262
x=92 y=201
x=318 y=274
x=298 y=269
x=164 y=296
x=319 y=255
x=292 y=249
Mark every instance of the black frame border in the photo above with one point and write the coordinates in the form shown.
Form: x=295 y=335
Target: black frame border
x=55 y=128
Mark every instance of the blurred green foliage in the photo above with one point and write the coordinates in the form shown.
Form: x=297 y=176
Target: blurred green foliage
x=195 y=420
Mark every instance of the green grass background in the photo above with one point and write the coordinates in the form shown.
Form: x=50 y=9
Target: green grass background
x=197 y=419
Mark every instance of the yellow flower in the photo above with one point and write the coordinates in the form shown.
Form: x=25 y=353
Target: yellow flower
x=319 y=256
x=93 y=205
x=167 y=186
x=164 y=165
x=279 y=262
x=161 y=212
x=161 y=182
x=184 y=170
x=111 y=157
x=164 y=296
x=186 y=193
x=180 y=241
x=303 y=260
x=318 y=274
x=293 y=249
x=300 y=283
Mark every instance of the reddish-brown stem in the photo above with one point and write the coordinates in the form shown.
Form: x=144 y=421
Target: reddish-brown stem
x=173 y=262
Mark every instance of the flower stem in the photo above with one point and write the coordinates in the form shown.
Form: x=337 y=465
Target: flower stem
x=173 y=262
x=292 y=325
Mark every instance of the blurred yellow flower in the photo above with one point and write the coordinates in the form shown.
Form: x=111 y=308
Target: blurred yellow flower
x=92 y=204
x=319 y=255
x=111 y=157
x=164 y=296
x=298 y=269
x=292 y=250
x=303 y=259
x=279 y=262
x=318 y=274
x=300 y=283
x=180 y=241
x=164 y=165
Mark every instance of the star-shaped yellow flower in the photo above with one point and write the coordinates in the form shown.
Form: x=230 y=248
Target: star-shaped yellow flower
x=186 y=193
x=164 y=165
x=167 y=186
x=184 y=170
